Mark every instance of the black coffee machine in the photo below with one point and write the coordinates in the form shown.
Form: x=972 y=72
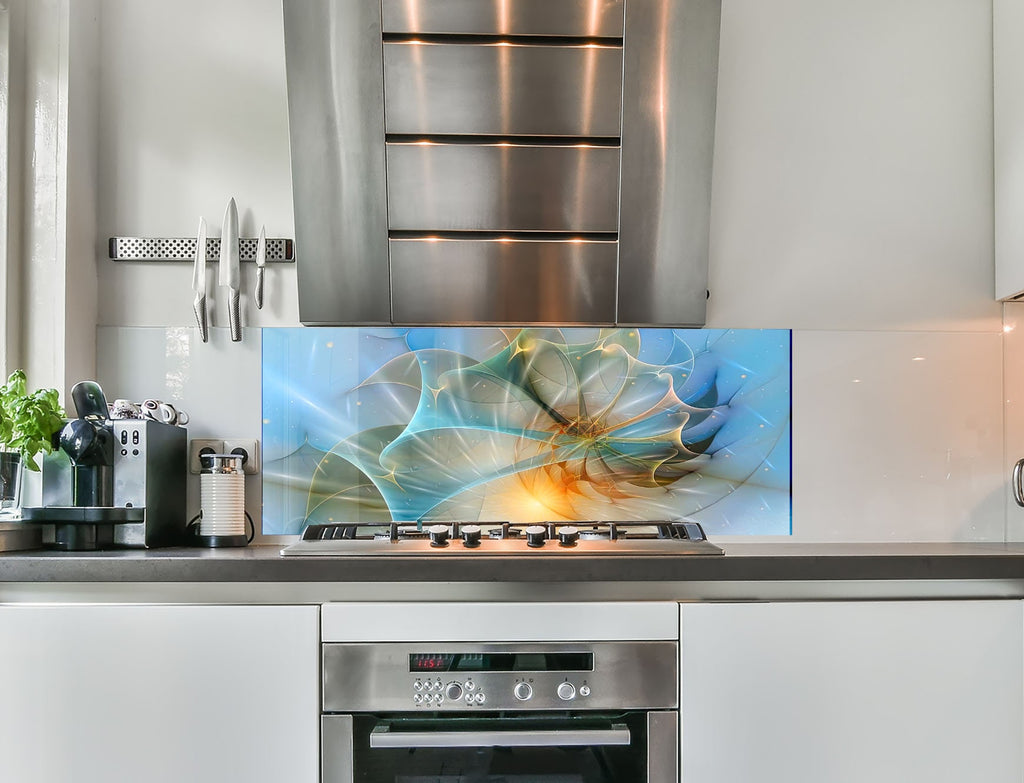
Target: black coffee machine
x=113 y=482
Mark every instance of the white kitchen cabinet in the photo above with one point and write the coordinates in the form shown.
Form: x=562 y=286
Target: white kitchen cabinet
x=1008 y=150
x=161 y=694
x=852 y=692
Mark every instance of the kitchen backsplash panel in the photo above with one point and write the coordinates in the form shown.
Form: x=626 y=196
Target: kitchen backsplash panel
x=527 y=425
x=897 y=435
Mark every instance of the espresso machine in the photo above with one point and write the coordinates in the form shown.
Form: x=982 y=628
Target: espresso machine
x=114 y=482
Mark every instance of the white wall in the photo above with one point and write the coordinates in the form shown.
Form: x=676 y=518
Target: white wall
x=194 y=112
x=852 y=203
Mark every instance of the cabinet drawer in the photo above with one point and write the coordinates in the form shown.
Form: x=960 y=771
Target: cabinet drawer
x=502 y=281
x=502 y=89
x=502 y=187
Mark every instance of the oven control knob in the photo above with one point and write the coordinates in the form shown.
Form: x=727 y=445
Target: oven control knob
x=471 y=535
x=438 y=535
x=584 y=690
x=453 y=691
x=522 y=691
x=568 y=535
x=566 y=691
x=536 y=535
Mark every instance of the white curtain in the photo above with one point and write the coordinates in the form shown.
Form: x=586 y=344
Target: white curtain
x=48 y=139
x=6 y=291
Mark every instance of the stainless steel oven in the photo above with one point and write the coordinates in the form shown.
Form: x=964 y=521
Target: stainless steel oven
x=517 y=712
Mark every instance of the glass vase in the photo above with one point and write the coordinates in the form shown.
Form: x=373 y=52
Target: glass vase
x=10 y=484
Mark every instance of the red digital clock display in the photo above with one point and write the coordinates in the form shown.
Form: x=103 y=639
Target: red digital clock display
x=430 y=662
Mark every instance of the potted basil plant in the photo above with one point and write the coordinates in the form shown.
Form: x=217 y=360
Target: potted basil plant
x=28 y=423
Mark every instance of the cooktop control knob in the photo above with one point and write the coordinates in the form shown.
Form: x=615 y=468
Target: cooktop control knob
x=566 y=691
x=522 y=691
x=438 y=535
x=453 y=691
x=471 y=535
x=536 y=535
x=568 y=535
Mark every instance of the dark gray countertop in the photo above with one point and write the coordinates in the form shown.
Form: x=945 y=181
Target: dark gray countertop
x=747 y=562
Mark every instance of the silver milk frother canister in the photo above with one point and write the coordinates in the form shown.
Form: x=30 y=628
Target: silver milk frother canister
x=222 y=499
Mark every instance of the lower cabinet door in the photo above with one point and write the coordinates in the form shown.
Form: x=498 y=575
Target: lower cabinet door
x=161 y=694
x=852 y=692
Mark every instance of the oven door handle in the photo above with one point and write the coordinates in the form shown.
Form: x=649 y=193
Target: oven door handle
x=382 y=737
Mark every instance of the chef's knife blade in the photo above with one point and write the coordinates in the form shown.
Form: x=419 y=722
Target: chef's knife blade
x=229 y=272
x=261 y=261
x=199 y=282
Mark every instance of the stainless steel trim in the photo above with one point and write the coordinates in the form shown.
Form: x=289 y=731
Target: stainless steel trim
x=420 y=548
x=1018 y=482
x=504 y=89
x=334 y=66
x=493 y=281
x=349 y=192
x=336 y=749
x=185 y=249
x=663 y=747
x=488 y=17
x=383 y=737
x=375 y=677
x=502 y=187
x=670 y=81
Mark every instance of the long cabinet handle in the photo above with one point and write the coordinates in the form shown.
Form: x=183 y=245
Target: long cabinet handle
x=1018 y=487
x=382 y=737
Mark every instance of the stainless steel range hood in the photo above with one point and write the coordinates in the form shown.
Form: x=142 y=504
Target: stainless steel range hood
x=502 y=161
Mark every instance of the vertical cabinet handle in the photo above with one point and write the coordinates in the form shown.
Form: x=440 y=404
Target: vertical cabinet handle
x=1018 y=488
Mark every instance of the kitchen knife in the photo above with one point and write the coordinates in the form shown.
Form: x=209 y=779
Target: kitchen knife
x=229 y=273
x=261 y=262
x=199 y=282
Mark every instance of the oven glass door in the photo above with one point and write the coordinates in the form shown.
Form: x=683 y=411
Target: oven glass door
x=534 y=748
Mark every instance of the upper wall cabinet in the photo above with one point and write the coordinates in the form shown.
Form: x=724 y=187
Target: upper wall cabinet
x=1008 y=107
x=489 y=161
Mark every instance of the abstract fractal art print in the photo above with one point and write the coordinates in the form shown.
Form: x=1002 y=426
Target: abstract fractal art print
x=527 y=425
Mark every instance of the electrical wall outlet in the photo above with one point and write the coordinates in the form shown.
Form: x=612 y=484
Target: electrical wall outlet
x=249 y=449
x=198 y=446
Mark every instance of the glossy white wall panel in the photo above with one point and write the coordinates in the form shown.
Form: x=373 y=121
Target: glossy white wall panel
x=219 y=384
x=897 y=436
x=1013 y=401
x=853 y=166
x=194 y=111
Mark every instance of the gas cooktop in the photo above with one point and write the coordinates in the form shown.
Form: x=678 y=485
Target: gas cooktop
x=502 y=538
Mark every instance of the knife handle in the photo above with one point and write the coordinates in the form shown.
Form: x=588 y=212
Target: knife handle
x=235 y=316
x=199 y=306
x=258 y=293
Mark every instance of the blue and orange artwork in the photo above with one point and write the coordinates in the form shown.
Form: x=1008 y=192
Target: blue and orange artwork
x=527 y=425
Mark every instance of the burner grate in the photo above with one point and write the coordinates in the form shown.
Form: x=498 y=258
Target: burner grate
x=566 y=532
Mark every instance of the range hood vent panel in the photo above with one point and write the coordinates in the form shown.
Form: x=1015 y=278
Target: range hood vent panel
x=590 y=18
x=452 y=89
x=423 y=166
